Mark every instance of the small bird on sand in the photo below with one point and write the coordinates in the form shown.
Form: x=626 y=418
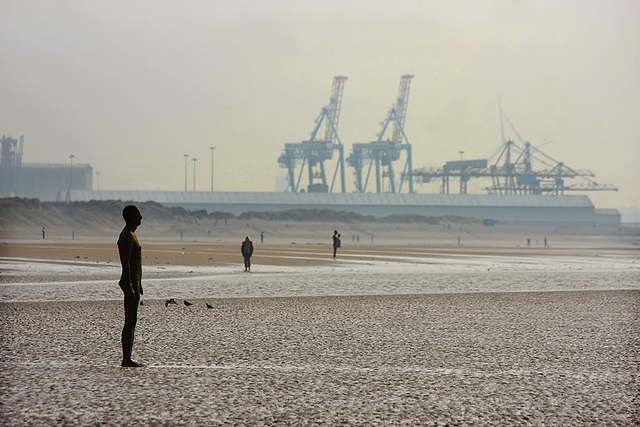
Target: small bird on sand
x=208 y=305
x=187 y=303
x=171 y=301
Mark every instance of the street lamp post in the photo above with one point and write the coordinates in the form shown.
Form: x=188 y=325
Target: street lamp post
x=185 y=172
x=71 y=157
x=194 y=173
x=212 y=148
x=463 y=178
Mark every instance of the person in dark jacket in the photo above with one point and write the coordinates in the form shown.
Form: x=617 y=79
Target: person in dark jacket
x=336 y=242
x=247 y=250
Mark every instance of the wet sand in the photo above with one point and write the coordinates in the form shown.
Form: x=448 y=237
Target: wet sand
x=384 y=335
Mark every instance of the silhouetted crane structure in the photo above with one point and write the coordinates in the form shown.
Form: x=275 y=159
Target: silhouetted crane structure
x=311 y=155
x=518 y=169
x=10 y=163
x=514 y=173
x=379 y=155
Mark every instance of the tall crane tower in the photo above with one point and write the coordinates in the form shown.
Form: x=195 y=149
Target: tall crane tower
x=311 y=155
x=379 y=155
x=10 y=163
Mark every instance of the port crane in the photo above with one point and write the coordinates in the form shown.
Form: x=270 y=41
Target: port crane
x=515 y=168
x=311 y=155
x=10 y=164
x=514 y=173
x=379 y=155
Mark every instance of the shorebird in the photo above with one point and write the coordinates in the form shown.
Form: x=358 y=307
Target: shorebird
x=171 y=301
x=187 y=303
x=208 y=305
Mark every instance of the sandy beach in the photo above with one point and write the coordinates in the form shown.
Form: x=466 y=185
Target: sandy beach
x=387 y=334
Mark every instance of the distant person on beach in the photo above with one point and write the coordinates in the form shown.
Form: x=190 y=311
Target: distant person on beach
x=262 y=237
x=42 y=233
x=247 y=250
x=336 y=242
x=130 y=280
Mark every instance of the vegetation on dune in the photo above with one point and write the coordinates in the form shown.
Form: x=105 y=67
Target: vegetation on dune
x=325 y=215
x=20 y=212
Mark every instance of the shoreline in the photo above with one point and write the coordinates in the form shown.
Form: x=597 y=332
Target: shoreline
x=48 y=271
x=384 y=334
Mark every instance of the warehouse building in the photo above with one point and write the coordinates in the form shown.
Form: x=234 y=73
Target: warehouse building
x=504 y=208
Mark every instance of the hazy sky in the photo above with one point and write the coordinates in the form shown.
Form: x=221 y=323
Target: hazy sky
x=131 y=86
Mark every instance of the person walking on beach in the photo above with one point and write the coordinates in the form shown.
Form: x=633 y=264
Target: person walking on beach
x=131 y=279
x=336 y=242
x=247 y=250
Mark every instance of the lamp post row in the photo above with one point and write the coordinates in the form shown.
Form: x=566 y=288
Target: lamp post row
x=71 y=157
x=194 y=160
x=186 y=156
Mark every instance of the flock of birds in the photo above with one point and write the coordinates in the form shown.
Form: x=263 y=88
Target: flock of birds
x=172 y=301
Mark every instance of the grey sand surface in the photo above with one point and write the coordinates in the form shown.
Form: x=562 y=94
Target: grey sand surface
x=521 y=358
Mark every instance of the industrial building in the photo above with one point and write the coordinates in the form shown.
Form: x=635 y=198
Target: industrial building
x=52 y=181
x=44 y=181
x=530 y=209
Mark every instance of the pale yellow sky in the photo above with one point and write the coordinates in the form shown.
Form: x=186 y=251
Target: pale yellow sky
x=131 y=86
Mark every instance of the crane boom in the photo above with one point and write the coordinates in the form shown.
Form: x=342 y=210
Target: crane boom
x=335 y=103
x=401 y=107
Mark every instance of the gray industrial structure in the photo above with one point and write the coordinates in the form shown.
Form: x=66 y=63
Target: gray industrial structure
x=10 y=163
x=312 y=155
x=381 y=154
x=523 y=184
x=518 y=168
x=44 y=181
x=509 y=208
x=375 y=157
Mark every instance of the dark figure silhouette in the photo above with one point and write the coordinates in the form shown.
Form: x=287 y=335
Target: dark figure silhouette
x=247 y=250
x=42 y=233
x=131 y=279
x=262 y=237
x=336 y=242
